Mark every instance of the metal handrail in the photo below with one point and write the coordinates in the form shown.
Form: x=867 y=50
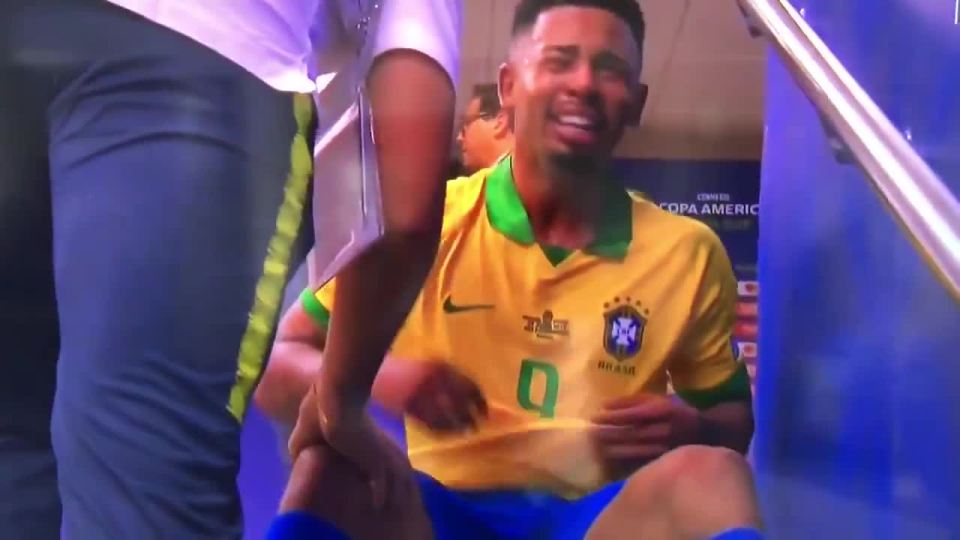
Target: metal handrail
x=926 y=209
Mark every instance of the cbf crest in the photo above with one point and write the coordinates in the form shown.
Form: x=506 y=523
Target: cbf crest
x=623 y=328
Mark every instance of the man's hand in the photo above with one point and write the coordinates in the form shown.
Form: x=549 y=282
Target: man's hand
x=444 y=399
x=633 y=431
x=327 y=485
x=351 y=433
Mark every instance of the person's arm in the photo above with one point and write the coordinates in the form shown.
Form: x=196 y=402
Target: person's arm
x=729 y=425
x=713 y=406
x=293 y=367
x=634 y=430
x=411 y=92
x=706 y=375
x=295 y=364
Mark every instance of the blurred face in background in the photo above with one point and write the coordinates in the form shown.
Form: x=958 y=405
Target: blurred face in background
x=484 y=136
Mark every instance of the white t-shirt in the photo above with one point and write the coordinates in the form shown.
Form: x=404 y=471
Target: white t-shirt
x=323 y=47
x=290 y=44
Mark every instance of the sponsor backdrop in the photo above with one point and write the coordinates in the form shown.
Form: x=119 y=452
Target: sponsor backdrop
x=725 y=196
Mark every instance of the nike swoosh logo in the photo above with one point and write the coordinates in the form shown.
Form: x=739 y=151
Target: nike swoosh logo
x=450 y=307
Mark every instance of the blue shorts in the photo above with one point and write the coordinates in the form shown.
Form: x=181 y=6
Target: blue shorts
x=478 y=515
x=483 y=515
x=303 y=526
x=488 y=515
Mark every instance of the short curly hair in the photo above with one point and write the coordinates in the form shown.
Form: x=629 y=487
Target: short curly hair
x=628 y=10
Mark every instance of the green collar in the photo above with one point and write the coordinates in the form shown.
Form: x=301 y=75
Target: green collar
x=508 y=216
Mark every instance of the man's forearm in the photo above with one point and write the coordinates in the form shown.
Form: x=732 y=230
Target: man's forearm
x=729 y=425
x=293 y=368
x=413 y=102
x=396 y=383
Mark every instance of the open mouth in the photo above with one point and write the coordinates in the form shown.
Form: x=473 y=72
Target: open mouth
x=577 y=128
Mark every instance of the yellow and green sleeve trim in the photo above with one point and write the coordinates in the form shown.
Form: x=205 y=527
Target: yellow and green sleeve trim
x=735 y=388
x=313 y=307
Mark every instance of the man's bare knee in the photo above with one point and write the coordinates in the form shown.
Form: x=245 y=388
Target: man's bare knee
x=690 y=492
x=702 y=464
x=710 y=488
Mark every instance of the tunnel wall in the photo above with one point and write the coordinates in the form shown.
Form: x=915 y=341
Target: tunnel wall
x=859 y=388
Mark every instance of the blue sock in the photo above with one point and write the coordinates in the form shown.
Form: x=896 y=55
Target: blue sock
x=744 y=533
x=302 y=526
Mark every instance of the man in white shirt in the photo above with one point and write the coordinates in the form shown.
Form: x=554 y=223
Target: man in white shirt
x=158 y=130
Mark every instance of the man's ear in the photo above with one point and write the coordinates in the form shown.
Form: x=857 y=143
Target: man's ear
x=506 y=78
x=637 y=103
x=502 y=124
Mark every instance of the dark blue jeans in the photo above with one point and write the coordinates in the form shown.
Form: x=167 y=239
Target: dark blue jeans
x=142 y=179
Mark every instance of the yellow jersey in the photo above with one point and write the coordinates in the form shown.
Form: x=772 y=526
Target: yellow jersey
x=550 y=335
